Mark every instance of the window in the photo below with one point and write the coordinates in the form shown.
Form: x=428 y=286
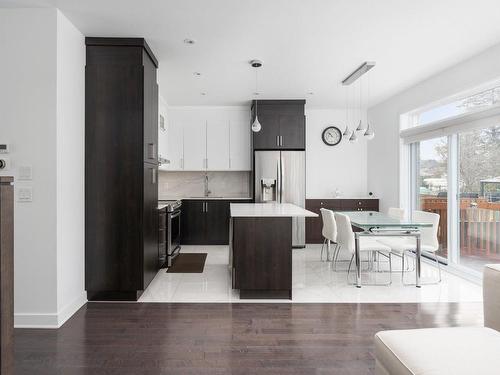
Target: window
x=479 y=197
x=465 y=104
x=471 y=204
x=432 y=183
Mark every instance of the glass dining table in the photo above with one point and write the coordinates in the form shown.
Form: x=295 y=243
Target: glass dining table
x=373 y=223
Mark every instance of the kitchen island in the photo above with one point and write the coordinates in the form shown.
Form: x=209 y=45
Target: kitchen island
x=260 y=240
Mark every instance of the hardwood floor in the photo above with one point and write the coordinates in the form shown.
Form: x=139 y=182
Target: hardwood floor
x=161 y=338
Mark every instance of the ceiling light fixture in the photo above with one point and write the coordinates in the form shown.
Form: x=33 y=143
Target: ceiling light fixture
x=189 y=41
x=362 y=69
x=367 y=130
x=256 y=126
x=203 y=93
x=197 y=74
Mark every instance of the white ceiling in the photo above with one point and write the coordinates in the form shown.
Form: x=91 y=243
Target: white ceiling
x=305 y=45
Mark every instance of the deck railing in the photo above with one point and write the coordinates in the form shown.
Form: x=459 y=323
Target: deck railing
x=479 y=226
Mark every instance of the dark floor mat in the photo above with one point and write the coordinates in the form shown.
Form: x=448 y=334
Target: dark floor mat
x=188 y=263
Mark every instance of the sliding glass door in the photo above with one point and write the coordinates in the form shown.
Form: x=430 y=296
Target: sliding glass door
x=458 y=177
x=479 y=197
x=431 y=178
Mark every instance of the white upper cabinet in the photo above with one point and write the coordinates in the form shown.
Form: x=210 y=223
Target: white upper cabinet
x=239 y=142
x=195 y=141
x=175 y=143
x=213 y=139
x=217 y=142
x=162 y=131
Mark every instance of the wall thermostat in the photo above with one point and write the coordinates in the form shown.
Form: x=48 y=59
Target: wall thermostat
x=4 y=163
x=4 y=148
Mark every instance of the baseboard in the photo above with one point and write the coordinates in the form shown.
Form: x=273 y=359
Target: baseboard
x=47 y=320
x=67 y=312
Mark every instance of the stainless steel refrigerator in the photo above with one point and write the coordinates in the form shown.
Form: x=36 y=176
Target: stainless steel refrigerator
x=280 y=176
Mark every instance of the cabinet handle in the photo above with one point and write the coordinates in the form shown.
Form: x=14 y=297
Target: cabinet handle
x=153 y=175
x=281 y=140
x=151 y=151
x=229 y=163
x=277 y=140
x=182 y=163
x=206 y=163
x=206 y=206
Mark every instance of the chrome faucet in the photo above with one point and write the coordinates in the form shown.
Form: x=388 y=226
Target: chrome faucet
x=207 y=191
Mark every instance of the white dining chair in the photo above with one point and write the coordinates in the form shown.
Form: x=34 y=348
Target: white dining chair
x=367 y=245
x=396 y=213
x=329 y=232
x=429 y=242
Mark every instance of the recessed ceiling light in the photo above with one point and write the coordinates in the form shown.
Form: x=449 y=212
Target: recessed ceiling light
x=310 y=93
x=197 y=74
x=203 y=93
x=189 y=41
x=256 y=93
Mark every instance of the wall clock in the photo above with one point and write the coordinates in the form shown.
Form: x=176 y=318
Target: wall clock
x=331 y=136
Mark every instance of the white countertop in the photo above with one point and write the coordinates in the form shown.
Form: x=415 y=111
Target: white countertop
x=204 y=198
x=269 y=210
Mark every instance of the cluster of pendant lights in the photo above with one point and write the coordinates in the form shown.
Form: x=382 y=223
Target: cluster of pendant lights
x=362 y=129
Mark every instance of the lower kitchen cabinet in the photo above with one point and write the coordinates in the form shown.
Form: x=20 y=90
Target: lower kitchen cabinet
x=315 y=224
x=206 y=222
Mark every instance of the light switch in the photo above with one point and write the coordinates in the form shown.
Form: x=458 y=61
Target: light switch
x=25 y=194
x=24 y=173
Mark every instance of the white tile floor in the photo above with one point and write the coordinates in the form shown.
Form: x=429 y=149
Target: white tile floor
x=313 y=281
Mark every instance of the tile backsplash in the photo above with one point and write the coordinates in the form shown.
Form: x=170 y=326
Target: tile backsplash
x=192 y=184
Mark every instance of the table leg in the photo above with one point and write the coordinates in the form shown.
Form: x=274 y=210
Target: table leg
x=418 y=257
x=357 y=260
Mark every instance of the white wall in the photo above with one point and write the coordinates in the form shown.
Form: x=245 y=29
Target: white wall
x=70 y=168
x=384 y=150
x=33 y=119
x=331 y=167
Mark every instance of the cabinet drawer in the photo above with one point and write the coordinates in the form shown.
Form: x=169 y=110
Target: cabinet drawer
x=359 y=204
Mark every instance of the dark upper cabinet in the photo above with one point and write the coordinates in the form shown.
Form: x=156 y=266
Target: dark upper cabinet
x=206 y=222
x=121 y=193
x=283 y=125
x=268 y=137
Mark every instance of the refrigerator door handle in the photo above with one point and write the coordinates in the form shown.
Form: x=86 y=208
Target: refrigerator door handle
x=278 y=181
x=282 y=179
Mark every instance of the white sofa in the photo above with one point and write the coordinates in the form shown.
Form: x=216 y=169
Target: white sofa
x=446 y=351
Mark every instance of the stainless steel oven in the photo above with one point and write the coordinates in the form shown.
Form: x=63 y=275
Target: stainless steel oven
x=173 y=235
x=173 y=232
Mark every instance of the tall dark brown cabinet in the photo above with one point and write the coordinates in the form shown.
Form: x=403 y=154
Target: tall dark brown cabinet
x=121 y=168
x=6 y=275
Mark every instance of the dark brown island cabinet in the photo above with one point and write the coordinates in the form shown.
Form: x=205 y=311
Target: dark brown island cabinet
x=283 y=125
x=121 y=168
x=206 y=221
x=6 y=276
x=314 y=225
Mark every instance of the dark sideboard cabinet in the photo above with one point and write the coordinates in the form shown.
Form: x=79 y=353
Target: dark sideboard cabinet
x=315 y=224
x=6 y=276
x=283 y=125
x=121 y=168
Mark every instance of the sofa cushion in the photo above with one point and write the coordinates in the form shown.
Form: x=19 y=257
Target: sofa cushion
x=491 y=296
x=439 y=351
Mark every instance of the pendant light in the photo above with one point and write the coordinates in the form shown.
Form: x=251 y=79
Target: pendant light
x=369 y=133
x=256 y=126
x=347 y=132
x=360 y=123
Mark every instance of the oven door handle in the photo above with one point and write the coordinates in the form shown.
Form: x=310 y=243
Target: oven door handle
x=174 y=214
